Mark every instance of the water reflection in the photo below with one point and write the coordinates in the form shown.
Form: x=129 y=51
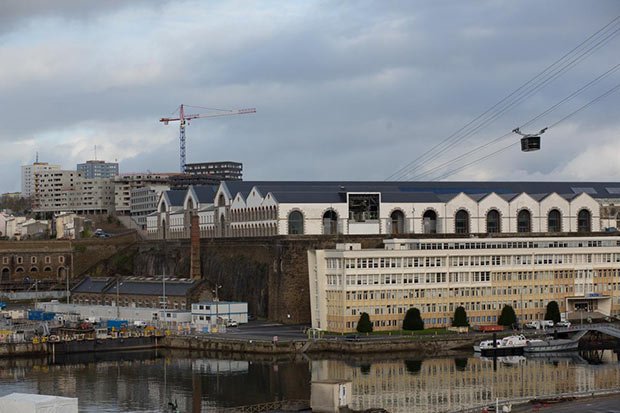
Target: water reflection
x=148 y=381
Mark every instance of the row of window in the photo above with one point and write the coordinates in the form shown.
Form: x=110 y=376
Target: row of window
x=461 y=221
x=33 y=260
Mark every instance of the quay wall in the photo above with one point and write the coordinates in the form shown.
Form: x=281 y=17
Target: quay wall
x=422 y=346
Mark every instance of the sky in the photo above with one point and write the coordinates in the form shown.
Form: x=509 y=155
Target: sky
x=343 y=90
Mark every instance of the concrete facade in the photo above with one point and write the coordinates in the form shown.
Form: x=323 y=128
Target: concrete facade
x=28 y=176
x=98 y=169
x=436 y=275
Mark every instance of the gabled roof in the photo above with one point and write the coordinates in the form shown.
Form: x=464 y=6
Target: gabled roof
x=205 y=193
x=335 y=192
x=176 y=196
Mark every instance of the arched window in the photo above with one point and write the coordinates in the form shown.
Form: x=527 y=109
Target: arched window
x=584 y=221
x=162 y=207
x=398 y=222
x=524 y=221
x=295 y=223
x=429 y=222
x=221 y=201
x=554 y=221
x=5 y=276
x=330 y=222
x=494 y=224
x=461 y=222
x=34 y=269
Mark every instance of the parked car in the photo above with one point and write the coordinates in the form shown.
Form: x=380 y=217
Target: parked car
x=232 y=323
x=531 y=324
x=563 y=323
x=352 y=337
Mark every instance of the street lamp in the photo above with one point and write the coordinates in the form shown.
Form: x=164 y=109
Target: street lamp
x=217 y=299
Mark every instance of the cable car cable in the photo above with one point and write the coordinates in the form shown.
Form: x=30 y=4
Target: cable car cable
x=519 y=99
x=549 y=110
x=407 y=169
x=607 y=93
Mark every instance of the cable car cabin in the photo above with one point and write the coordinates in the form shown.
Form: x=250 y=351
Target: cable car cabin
x=530 y=143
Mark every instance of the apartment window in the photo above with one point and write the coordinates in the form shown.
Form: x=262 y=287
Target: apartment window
x=33 y=260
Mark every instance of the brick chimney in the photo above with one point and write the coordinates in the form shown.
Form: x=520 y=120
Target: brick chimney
x=194 y=235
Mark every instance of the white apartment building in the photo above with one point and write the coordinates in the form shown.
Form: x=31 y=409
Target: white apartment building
x=482 y=274
x=61 y=191
x=28 y=176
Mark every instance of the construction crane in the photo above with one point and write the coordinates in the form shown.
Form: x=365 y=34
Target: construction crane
x=185 y=118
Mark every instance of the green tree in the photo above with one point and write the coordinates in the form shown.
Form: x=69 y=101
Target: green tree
x=364 y=325
x=460 y=317
x=413 y=320
x=553 y=312
x=507 y=317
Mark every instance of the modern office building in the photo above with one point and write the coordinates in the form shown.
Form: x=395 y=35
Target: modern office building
x=98 y=169
x=125 y=183
x=28 y=176
x=225 y=170
x=480 y=273
x=143 y=201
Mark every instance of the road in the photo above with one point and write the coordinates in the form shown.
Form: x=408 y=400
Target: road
x=603 y=404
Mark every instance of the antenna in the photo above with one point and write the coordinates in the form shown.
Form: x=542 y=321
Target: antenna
x=36 y=157
x=95 y=152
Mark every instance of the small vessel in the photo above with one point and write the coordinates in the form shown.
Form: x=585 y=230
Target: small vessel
x=505 y=345
x=550 y=345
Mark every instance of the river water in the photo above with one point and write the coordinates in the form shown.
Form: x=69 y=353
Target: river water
x=198 y=382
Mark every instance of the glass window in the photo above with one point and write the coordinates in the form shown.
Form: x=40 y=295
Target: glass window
x=461 y=222
x=493 y=221
x=295 y=223
x=524 y=221
x=554 y=221
x=583 y=221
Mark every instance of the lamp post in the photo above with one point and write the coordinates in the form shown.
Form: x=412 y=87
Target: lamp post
x=217 y=300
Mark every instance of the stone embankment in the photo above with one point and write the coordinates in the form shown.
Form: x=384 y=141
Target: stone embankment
x=423 y=346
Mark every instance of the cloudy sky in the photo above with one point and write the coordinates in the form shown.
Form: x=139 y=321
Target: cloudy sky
x=343 y=90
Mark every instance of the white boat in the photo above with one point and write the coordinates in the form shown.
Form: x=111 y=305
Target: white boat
x=506 y=344
x=551 y=345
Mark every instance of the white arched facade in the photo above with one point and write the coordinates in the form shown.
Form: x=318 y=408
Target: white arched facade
x=255 y=213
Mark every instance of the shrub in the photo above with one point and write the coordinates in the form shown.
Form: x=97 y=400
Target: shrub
x=553 y=312
x=364 y=325
x=413 y=320
x=460 y=317
x=507 y=317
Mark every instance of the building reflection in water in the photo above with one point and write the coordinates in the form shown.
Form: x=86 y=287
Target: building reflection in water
x=147 y=381
x=450 y=384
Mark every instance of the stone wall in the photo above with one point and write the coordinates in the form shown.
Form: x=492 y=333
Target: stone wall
x=270 y=273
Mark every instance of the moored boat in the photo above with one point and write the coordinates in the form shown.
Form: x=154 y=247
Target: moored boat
x=506 y=345
x=551 y=345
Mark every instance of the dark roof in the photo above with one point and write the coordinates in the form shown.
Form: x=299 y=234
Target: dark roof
x=153 y=286
x=205 y=193
x=326 y=192
x=176 y=196
x=92 y=285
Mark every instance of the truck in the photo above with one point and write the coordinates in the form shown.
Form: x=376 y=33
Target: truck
x=490 y=328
